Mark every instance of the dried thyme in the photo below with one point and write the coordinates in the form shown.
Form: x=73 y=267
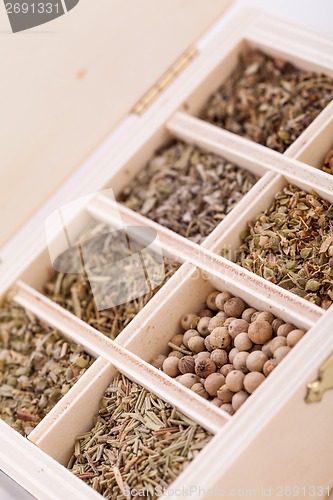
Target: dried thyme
x=139 y=444
x=37 y=367
x=291 y=244
x=268 y=100
x=187 y=189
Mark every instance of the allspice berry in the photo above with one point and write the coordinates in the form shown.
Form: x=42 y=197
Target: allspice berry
x=201 y=355
x=254 y=316
x=269 y=366
x=175 y=354
x=256 y=361
x=188 y=335
x=215 y=322
x=294 y=337
x=202 y=326
x=252 y=381
x=220 y=338
x=232 y=354
x=266 y=316
x=247 y=314
x=186 y=364
x=208 y=345
x=204 y=313
x=227 y=407
x=237 y=326
x=188 y=380
x=266 y=349
x=240 y=361
x=187 y=320
x=220 y=357
x=200 y=390
x=196 y=344
x=158 y=361
x=221 y=299
x=211 y=300
x=276 y=324
x=204 y=367
x=229 y=320
x=216 y=402
x=213 y=383
x=225 y=394
x=238 y=399
x=260 y=332
x=234 y=380
x=281 y=353
x=177 y=340
x=277 y=342
x=234 y=307
x=170 y=366
x=283 y=330
x=242 y=342
x=227 y=369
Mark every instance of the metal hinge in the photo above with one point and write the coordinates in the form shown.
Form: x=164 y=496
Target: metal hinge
x=324 y=382
x=164 y=81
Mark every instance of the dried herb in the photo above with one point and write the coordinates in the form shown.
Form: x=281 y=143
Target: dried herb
x=291 y=244
x=268 y=100
x=138 y=442
x=187 y=189
x=73 y=290
x=37 y=367
x=328 y=163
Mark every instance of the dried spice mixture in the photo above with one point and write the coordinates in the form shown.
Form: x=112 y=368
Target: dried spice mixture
x=138 y=446
x=268 y=100
x=187 y=190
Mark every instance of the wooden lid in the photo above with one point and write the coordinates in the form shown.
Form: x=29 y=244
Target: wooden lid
x=66 y=84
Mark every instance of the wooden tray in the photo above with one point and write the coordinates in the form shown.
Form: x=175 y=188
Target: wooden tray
x=275 y=440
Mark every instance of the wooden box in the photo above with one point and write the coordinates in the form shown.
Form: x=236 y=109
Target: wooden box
x=276 y=444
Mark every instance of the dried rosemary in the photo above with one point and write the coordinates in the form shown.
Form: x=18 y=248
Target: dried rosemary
x=139 y=444
x=187 y=189
x=37 y=367
x=268 y=100
x=291 y=244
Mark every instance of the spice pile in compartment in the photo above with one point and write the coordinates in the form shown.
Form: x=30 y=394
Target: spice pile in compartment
x=328 y=162
x=187 y=189
x=73 y=291
x=37 y=367
x=291 y=245
x=227 y=350
x=138 y=443
x=268 y=100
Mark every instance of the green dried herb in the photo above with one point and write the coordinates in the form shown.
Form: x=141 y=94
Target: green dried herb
x=37 y=367
x=187 y=189
x=291 y=244
x=138 y=442
x=268 y=100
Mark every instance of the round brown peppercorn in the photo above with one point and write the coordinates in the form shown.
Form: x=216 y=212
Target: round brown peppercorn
x=204 y=367
x=225 y=394
x=281 y=353
x=269 y=366
x=227 y=407
x=158 y=361
x=205 y=313
x=177 y=339
x=220 y=338
x=266 y=316
x=247 y=314
x=283 y=330
x=234 y=307
x=228 y=321
x=294 y=337
x=208 y=345
x=211 y=300
x=255 y=361
x=238 y=399
x=260 y=332
x=266 y=349
x=221 y=314
x=277 y=342
x=255 y=316
x=175 y=354
x=187 y=320
x=232 y=354
x=196 y=344
x=221 y=299
x=188 y=380
x=200 y=390
x=186 y=364
x=215 y=322
x=220 y=357
x=252 y=381
x=202 y=355
x=202 y=326
x=240 y=362
x=188 y=335
x=238 y=326
x=216 y=402
x=242 y=342
x=213 y=383
x=170 y=366
x=227 y=369
x=276 y=324
x=234 y=380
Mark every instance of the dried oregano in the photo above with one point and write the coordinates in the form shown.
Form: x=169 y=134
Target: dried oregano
x=138 y=446
x=187 y=189
x=291 y=244
x=37 y=367
x=268 y=100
